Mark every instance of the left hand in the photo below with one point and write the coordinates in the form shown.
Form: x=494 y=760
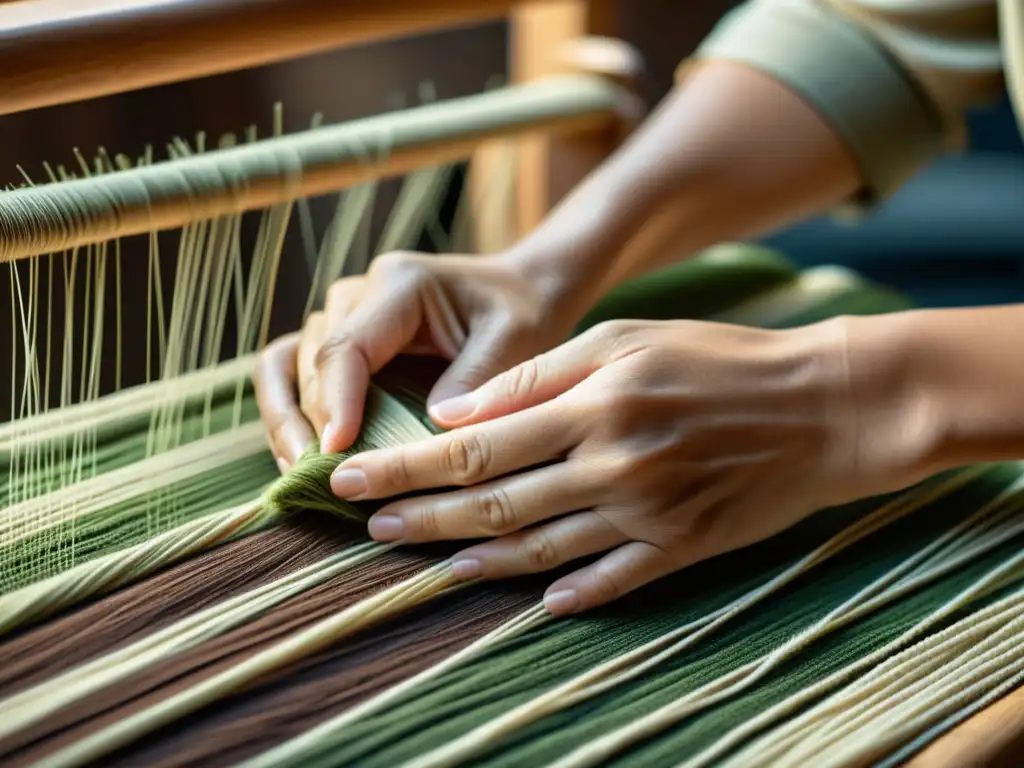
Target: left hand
x=656 y=443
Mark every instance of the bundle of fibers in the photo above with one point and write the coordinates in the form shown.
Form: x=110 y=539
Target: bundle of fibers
x=104 y=488
x=173 y=604
x=513 y=689
x=36 y=653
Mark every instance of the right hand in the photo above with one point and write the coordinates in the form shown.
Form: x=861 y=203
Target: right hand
x=483 y=313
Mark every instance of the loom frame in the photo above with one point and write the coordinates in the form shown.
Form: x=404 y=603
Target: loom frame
x=57 y=51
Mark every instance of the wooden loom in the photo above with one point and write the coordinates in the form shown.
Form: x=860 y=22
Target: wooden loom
x=566 y=126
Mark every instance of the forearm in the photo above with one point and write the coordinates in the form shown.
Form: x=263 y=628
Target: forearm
x=731 y=153
x=788 y=108
x=955 y=378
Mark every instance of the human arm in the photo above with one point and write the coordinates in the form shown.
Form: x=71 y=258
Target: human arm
x=964 y=370
x=790 y=107
x=790 y=110
x=658 y=444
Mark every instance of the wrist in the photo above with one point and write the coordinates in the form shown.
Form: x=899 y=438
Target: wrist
x=566 y=261
x=964 y=364
x=900 y=423
x=552 y=294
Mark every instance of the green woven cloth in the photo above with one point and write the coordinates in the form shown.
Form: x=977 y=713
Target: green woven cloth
x=726 y=284
x=523 y=668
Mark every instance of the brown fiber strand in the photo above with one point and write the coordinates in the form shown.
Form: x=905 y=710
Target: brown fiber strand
x=108 y=706
x=331 y=682
x=40 y=653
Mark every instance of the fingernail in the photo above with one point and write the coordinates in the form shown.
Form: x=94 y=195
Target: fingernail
x=562 y=603
x=283 y=465
x=328 y=438
x=455 y=408
x=386 y=527
x=348 y=483
x=464 y=570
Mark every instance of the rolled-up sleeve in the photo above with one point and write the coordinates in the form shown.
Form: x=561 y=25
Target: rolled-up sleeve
x=885 y=114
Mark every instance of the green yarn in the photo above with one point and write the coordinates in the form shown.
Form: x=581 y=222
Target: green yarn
x=388 y=422
x=526 y=666
x=714 y=281
x=307 y=486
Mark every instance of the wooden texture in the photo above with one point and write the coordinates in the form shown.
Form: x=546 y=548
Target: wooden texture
x=59 y=51
x=549 y=167
x=550 y=38
x=993 y=738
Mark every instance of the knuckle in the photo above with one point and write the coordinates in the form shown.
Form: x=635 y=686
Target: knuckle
x=538 y=551
x=279 y=425
x=465 y=458
x=394 y=475
x=608 y=331
x=342 y=296
x=274 y=359
x=522 y=379
x=428 y=523
x=494 y=512
x=620 y=339
x=334 y=348
x=621 y=469
x=393 y=261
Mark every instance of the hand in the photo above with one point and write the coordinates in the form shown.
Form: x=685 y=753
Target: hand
x=484 y=313
x=656 y=443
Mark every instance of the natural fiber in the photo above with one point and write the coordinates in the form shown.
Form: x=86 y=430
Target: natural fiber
x=166 y=599
x=200 y=187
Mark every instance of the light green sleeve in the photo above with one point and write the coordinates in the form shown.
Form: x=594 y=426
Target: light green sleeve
x=888 y=122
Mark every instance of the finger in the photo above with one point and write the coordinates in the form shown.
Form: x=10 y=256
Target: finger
x=359 y=345
x=531 y=382
x=462 y=457
x=616 y=574
x=275 y=384
x=485 y=354
x=539 y=549
x=314 y=330
x=492 y=509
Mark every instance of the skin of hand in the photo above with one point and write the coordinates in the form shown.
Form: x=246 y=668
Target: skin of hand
x=481 y=312
x=729 y=153
x=653 y=444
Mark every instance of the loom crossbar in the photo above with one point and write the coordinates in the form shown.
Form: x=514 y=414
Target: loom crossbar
x=60 y=51
x=56 y=217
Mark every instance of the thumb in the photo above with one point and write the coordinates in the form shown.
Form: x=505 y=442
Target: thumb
x=358 y=347
x=523 y=385
x=486 y=353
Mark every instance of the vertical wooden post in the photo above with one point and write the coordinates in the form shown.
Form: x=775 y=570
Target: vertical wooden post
x=543 y=37
x=539 y=37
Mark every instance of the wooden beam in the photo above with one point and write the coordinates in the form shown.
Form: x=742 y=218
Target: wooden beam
x=232 y=180
x=547 y=38
x=59 y=51
x=992 y=737
x=539 y=37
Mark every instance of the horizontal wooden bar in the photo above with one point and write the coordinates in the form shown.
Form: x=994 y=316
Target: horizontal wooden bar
x=59 y=51
x=56 y=217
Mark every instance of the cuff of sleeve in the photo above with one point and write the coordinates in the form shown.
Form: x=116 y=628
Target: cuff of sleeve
x=887 y=122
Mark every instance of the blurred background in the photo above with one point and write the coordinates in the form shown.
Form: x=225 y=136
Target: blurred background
x=954 y=235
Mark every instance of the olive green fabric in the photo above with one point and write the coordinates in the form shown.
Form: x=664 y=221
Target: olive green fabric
x=524 y=667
